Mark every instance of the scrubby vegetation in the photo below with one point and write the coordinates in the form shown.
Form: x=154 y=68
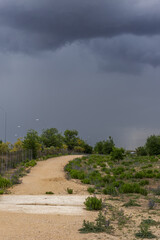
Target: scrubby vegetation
x=131 y=182
x=133 y=174
x=101 y=224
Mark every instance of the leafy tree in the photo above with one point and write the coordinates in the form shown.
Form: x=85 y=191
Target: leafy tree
x=153 y=145
x=88 y=149
x=71 y=138
x=18 y=145
x=104 y=147
x=141 y=151
x=32 y=142
x=108 y=146
x=4 y=147
x=78 y=149
x=99 y=147
x=51 y=137
x=117 y=154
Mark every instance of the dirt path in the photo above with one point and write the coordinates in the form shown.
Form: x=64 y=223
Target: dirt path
x=48 y=176
x=29 y=214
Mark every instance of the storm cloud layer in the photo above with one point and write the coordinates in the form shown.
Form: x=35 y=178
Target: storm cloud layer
x=41 y=25
x=92 y=65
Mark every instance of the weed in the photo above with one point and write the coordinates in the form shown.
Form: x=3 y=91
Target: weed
x=150 y=222
x=131 y=203
x=151 y=204
x=49 y=192
x=156 y=191
x=144 y=232
x=101 y=224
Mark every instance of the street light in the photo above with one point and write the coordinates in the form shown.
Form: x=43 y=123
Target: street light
x=5 y=123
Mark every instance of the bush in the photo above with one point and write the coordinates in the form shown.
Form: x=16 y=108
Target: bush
x=144 y=232
x=117 y=154
x=91 y=190
x=101 y=225
x=131 y=203
x=153 y=145
x=93 y=203
x=31 y=163
x=143 y=182
x=141 y=151
x=132 y=188
x=110 y=190
x=69 y=190
x=49 y=192
x=4 y=183
x=156 y=191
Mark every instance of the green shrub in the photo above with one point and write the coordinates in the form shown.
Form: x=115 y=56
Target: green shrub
x=110 y=190
x=118 y=171
x=4 y=183
x=144 y=232
x=1 y=192
x=91 y=190
x=86 y=181
x=93 y=203
x=143 y=182
x=31 y=163
x=69 y=190
x=131 y=203
x=156 y=191
x=132 y=188
x=101 y=225
x=49 y=192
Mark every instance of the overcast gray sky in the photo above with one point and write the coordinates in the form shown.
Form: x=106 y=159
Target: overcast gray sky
x=88 y=65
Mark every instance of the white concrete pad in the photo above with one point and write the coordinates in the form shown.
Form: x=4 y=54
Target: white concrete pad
x=43 y=204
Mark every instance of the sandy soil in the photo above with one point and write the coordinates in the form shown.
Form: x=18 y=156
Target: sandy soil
x=49 y=176
x=29 y=214
x=44 y=217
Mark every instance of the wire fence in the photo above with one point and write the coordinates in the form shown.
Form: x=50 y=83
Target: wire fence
x=10 y=160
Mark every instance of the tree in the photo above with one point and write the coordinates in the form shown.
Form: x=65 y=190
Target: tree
x=99 y=147
x=4 y=147
x=141 y=151
x=51 y=137
x=18 y=145
x=108 y=146
x=153 y=145
x=117 y=154
x=88 y=149
x=71 y=138
x=104 y=147
x=32 y=142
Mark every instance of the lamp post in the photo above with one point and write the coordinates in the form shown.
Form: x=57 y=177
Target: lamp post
x=5 y=123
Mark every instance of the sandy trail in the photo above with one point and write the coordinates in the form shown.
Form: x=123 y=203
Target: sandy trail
x=47 y=176
x=29 y=214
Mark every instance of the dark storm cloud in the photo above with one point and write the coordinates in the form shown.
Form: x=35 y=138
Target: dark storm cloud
x=48 y=24
x=127 y=53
